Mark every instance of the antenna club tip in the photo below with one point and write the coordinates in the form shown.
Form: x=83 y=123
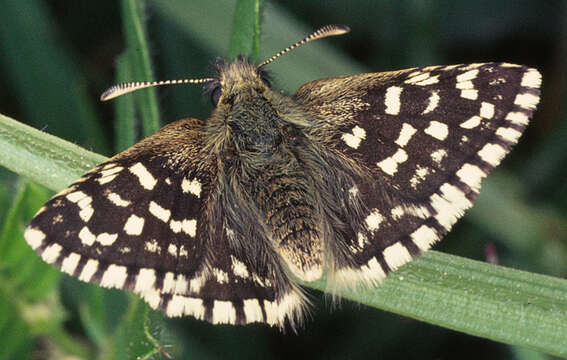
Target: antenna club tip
x=338 y=29
x=110 y=93
x=105 y=96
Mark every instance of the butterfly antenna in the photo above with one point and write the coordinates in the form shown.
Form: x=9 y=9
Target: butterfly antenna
x=125 y=88
x=325 y=31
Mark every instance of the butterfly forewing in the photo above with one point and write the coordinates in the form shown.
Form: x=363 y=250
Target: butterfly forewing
x=139 y=221
x=427 y=136
x=136 y=211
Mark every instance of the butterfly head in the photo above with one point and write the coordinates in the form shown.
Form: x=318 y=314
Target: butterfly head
x=247 y=115
x=238 y=78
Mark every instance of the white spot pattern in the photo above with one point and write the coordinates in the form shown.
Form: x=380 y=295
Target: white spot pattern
x=390 y=164
x=486 y=110
x=470 y=94
x=34 y=237
x=432 y=102
x=531 y=79
x=192 y=186
x=238 y=268
x=392 y=100
x=396 y=255
x=353 y=140
x=159 y=212
x=70 y=263
x=145 y=178
x=492 y=153
x=88 y=270
x=424 y=237
x=406 y=133
x=152 y=246
x=374 y=220
x=471 y=175
x=114 y=277
x=86 y=236
x=134 y=225
x=51 y=253
x=471 y=123
x=527 y=101
x=117 y=199
x=438 y=130
x=438 y=155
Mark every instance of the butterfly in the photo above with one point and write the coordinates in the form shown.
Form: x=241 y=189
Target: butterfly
x=352 y=176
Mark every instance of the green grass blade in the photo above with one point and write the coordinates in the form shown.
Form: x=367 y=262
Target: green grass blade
x=124 y=109
x=494 y=302
x=527 y=354
x=43 y=158
x=139 y=59
x=246 y=29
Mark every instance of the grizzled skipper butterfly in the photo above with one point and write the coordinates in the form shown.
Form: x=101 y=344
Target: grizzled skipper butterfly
x=352 y=175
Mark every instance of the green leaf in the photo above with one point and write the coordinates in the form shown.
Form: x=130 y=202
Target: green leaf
x=246 y=29
x=141 y=333
x=139 y=59
x=527 y=354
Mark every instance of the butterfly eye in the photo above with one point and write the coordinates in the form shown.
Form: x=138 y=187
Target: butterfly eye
x=265 y=77
x=215 y=95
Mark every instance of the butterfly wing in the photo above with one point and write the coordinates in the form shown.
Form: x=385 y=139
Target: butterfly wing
x=426 y=137
x=142 y=221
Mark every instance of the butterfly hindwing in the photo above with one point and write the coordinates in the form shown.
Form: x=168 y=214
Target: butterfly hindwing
x=427 y=137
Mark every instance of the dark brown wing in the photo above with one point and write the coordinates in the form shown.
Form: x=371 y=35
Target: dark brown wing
x=142 y=221
x=427 y=137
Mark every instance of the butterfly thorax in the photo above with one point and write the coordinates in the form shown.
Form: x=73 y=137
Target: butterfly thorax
x=254 y=128
x=262 y=149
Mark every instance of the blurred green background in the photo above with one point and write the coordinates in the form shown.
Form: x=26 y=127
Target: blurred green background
x=56 y=57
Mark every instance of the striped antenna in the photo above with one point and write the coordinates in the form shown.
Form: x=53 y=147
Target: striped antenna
x=129 y=87
x=325 y=31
